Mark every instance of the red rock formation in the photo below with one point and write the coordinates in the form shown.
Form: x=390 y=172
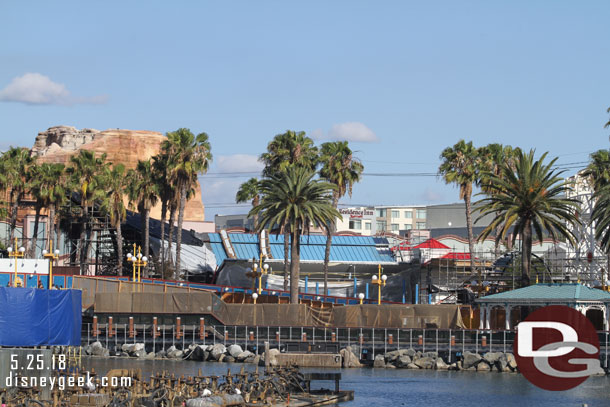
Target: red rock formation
x=59 y=143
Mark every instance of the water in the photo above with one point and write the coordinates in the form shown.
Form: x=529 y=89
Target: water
x=402 y=387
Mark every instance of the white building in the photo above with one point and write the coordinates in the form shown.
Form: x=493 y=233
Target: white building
x=372 y=220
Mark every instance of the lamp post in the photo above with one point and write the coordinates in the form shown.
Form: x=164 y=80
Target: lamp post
x=52 y=256
x=361 y=297
x=257 y=271
x=380 y=281
x=137 y=260
x=16 y=253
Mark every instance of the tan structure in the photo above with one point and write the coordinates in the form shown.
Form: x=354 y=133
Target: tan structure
x=59 y=143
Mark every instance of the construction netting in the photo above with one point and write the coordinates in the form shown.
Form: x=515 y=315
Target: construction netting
x=373 y=316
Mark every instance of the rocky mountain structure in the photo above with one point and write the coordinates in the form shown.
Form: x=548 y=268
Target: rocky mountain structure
x=57 y=144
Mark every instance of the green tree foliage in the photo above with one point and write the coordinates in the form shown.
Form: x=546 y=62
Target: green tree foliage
x=531 y=199
x=249 y=191
x=295 y=199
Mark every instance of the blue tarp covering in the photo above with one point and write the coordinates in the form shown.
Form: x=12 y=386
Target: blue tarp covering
x=35 y=317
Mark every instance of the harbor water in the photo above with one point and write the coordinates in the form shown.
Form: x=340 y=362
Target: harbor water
x=402 y=387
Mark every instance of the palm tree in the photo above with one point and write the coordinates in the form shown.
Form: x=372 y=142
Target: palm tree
x=115 y=182
x=598 y=170
x=249 y=191
x=143 y=195
x=461 y=165
x=190 y=155
x=295 y=200
x=530 y=198
x=85 y=170
x=288 y=149
x=342 y=170
x=47 y=189
x=15 y=164
x=167 y=194
x=493 y=157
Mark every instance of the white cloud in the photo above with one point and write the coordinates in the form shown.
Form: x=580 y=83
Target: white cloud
x=38 y=89
x=238 y=163
x=349 y=131
x=431 y=196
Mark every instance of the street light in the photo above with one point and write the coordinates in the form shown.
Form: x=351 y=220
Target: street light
x=380 y=281
x=257 y=271
x=361 y=297
x=137 y=260
x=15 y=253
x=52 y=256
x=254 y=297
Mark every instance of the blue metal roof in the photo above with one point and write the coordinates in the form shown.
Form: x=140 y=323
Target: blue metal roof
x=343 y=249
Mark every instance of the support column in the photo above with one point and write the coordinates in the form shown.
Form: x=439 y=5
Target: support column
x=487 y=316
x=481 y=316
x=605 y=311
x=507 y=313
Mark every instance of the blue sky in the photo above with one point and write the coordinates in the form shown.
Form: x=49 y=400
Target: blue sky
x=408 y=78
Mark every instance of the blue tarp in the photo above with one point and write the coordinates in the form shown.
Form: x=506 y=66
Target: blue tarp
x=36 y=317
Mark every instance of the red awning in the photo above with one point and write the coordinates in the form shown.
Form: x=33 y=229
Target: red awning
x=431 y=244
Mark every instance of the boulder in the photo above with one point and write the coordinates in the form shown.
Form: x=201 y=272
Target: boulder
x=492 y=357
x=257 y=360
x=439 y=364
x=512 y=363
x=403 y=361
x=217 y=350
x=501 y=364
x=140 y=353
x=150 y=355
x=432 y=355
x=250 y=359
x=272 y=356
x=197 y=353
x=228 y=359
x=392 y=356
x=470 y=360
x=128 y=347
x=409 y=352
x=243 y=356
x=379 y=361
x=454 y=366
x=425 y=362
x=235 y=350
x=161 y=354
x=483 y=367
x=412 y=366
x=98 y=350
x=348 y=358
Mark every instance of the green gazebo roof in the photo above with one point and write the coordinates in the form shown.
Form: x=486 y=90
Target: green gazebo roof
x=564 y=292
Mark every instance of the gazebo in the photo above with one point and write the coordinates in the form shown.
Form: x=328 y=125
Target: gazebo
x=591 y=302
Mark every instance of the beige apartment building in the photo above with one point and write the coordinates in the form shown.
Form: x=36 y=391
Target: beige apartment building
x=371 y=220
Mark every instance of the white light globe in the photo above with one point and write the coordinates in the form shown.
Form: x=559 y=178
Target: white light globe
x=361 y=296
x=44 y=252
x=384 y=277
x=374 y=278
x=22 y=249
x=255 y=295
x=56 y=251
x=144 y=259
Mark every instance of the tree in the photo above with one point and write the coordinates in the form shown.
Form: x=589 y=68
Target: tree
x=48 y=190
x=14 y=167
x=190 y=156
x=295 y=200
x=249 y=191
x=598 y=170
x=143 y=194
x=85 y=171
x=167 y=195
x=342 y=170
x=530 y=198
x=115 y=183
x=461 y=165
x=285 y=150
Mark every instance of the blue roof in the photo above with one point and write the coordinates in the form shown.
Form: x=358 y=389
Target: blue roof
x=569 y=292
x=343 y=249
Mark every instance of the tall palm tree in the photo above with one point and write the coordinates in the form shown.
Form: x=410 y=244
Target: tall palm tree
x=85 y=171
x=288 y=149
x=530 y=198
x=47 y=188
x=341 y=169
x=295 y=199
x=461 y=165
x=115 y=182
x=167 y=194
x=143 y=194
x=598 y=170
x=249 y=191
x=14 y=167
x=190 y=156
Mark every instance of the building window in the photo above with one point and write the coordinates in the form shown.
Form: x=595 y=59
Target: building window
x=381 y=226
x=421 y=214
x=409 y=214
x=395 y=227
x=408 y=226
x=421 y=225
x=395 y=214
x=355 y=224
x=381 y=213
x=367 y=226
